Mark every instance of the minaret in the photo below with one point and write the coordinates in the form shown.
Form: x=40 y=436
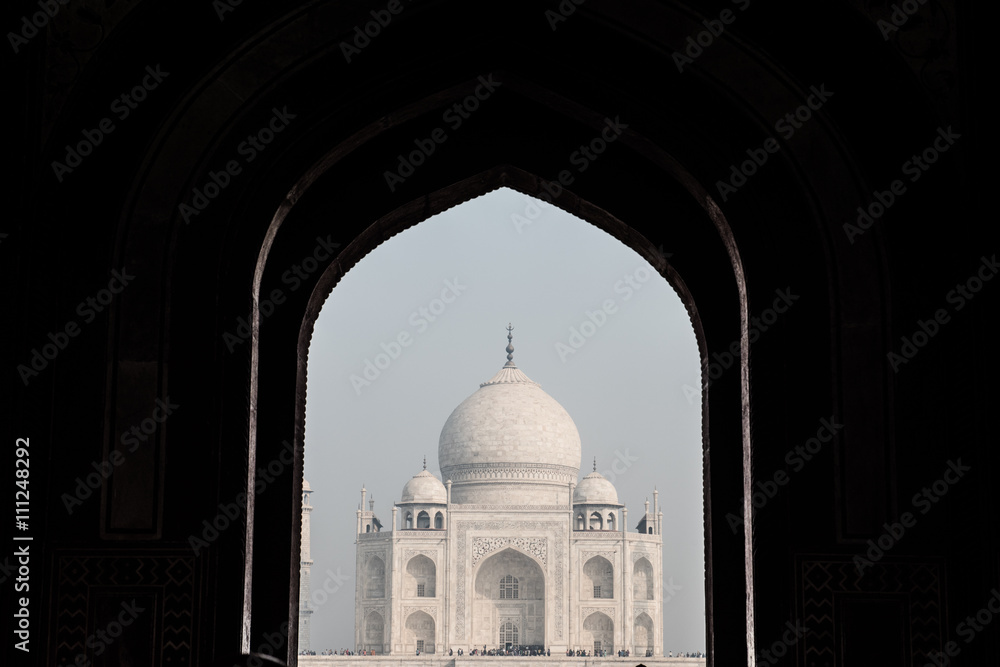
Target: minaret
x=305 y=565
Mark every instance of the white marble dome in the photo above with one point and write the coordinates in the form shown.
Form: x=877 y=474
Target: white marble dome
x=509 y=430
x=595 y=489
x=424 y=487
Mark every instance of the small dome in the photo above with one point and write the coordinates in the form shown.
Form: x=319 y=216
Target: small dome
x=424 y=488
x=594 y=489
x=306 y=487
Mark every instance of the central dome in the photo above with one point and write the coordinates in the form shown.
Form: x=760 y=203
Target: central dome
x=509 y=433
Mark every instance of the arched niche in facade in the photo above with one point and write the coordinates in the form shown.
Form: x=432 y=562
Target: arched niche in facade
x=421 y=577
x=511 y=584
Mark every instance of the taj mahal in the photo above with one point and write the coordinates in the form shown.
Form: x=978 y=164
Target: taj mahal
x=512 y=549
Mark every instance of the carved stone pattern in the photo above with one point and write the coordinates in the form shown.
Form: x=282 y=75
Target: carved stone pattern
x=610 y=555
x=431 y=611
x=636 y=555
x=487 y=471
x=484 y=546
x=461 y=530
x=537 y=508
x=587 y=611
x=385 y=536
x=380 y=608
x=410 y=553
x=820 y=581
x=174 y=575
x=368 y=555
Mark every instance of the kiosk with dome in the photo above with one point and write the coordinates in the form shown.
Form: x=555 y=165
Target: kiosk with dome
x=512 y=549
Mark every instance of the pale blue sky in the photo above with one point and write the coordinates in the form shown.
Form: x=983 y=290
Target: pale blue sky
x=624 y=386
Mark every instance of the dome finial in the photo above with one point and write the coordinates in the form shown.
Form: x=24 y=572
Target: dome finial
x=510 y=346
x=425 y=462
x=595 y=464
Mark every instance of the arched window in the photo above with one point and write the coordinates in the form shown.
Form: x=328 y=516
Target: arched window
x=508 y=588
x=375 y=578
x=598 y=578
x=368 y=528
x=642 y=634
x=423 y=520
x=580 y=523
x=596 y=522
x=409 y=521
x=642 y=580
x=611 y=520
x=374 y=631
x=439 y=521
x=421 y=574
x=508 y=633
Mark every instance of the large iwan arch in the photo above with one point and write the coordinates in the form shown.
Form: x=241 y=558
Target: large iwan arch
x=509 y=588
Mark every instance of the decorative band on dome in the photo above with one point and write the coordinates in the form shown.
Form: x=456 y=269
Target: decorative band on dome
x=510 y=375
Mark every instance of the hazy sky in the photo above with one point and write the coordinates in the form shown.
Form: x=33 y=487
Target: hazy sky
x=624 y=386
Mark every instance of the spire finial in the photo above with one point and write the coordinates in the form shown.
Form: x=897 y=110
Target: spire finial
x=510 y=345
x=595 y=464
x=425 y=462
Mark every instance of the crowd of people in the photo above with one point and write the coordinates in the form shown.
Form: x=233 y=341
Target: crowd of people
x=343 y=651
x=513 y=650
x=517 y=651
x=603 y=653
